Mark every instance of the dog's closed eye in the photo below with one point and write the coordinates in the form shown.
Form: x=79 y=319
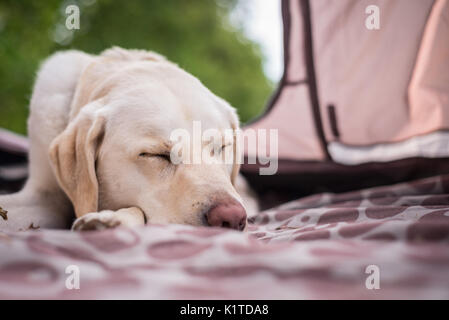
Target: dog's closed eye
x=162 y=156
x=218 y=149
x=225 y=146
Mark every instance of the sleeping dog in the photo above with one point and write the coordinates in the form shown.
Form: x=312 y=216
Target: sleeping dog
x=99 y=129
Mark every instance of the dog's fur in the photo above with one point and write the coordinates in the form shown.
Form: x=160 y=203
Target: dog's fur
x=95 y=122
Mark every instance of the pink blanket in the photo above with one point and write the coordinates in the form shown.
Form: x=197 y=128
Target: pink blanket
x=387 y=242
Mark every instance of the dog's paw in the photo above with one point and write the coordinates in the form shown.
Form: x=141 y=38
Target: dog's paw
x=96 y=221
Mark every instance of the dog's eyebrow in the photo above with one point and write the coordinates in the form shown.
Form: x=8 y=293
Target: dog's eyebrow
x=157 y=147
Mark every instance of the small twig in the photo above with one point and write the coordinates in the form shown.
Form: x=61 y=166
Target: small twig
x=3 y=214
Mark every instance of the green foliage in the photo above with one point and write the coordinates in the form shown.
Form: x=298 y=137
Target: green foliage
x=196 y=34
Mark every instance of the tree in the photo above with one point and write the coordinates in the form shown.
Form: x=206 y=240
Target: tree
x=196 y=34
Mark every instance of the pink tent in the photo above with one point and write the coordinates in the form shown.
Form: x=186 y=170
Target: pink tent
x=364 y=99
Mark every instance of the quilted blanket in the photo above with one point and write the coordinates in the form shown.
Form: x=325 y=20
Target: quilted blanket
x=381 y=243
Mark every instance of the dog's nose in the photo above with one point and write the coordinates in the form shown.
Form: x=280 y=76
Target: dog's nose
x=227 y=215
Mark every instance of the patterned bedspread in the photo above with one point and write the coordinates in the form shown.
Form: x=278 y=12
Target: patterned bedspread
x=387 y=242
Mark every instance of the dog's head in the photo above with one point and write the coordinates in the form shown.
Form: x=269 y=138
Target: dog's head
x=116 y=150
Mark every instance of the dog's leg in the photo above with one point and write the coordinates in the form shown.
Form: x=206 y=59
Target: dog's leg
x=128 y=217
x=33 y=210
x=42 y=203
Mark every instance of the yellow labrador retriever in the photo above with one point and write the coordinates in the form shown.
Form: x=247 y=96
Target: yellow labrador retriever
x=99 y=131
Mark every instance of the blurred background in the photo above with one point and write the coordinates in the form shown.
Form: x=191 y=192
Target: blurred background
x=232 y=46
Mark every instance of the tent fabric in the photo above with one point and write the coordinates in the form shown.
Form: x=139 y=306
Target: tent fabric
x=13 y=161
x=356 y=107
x=349 y=86
x=432 y=145
x=13 y=143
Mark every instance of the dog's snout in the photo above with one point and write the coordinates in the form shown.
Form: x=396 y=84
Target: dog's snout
x=227 y=215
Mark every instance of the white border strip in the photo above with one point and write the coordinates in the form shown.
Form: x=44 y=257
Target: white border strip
x=433 y=145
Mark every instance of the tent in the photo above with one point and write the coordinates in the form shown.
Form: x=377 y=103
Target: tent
x=359 y=104
x=13 y=161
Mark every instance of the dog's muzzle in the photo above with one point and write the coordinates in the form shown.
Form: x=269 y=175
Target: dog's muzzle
x=230 y=215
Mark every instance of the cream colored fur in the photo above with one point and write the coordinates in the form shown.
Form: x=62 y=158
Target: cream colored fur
x=91 y=117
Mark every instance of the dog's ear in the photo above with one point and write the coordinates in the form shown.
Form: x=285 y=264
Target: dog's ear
x=73 y=154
